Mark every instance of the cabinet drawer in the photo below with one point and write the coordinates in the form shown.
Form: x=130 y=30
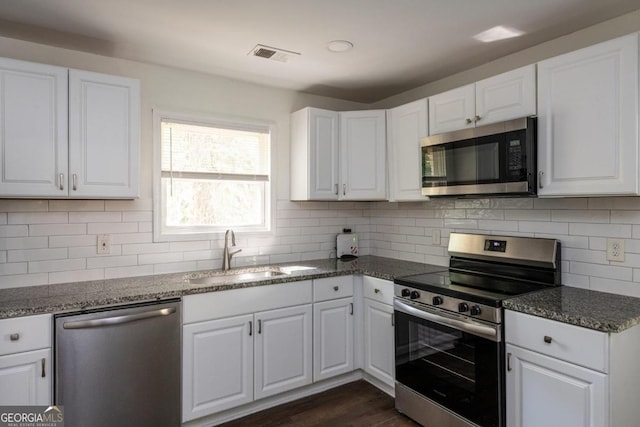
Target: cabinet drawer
x=378 y=289
x=574 y=344
x=332 y=287
x=25 y=333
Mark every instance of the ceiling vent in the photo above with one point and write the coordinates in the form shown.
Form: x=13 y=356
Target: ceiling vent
x=273 y=53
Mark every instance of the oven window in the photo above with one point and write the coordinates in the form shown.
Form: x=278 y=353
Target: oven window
x=458 y=370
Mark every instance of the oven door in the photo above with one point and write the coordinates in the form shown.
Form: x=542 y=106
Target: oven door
x=452 y=360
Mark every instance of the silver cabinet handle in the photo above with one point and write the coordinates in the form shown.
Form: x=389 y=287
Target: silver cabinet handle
x=259 y=326
x=43 y=365
x=250 y=328
x=336 y=189
x=540 y=184
x=453 y=321
x=116 y=320
x=344 y=189
x=75 y=182
x=478 y=118
x=351 y=308
x=336 y=288
x=61 y=181
x=14 y=337
x=469 y=121
x=508 y=362
x=547 y=339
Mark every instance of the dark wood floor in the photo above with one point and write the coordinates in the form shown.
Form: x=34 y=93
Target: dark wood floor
x=357 y=404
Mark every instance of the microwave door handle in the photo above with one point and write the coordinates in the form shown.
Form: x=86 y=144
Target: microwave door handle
x=471 y=328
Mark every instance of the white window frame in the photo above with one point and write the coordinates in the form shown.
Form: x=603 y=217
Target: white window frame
x=159 y=235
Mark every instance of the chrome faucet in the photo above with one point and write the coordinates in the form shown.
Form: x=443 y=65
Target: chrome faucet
x=226 y=255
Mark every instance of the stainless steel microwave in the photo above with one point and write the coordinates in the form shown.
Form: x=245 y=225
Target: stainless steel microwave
x=497 y=159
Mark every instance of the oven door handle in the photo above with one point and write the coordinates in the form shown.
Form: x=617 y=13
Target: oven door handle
x=473 y=328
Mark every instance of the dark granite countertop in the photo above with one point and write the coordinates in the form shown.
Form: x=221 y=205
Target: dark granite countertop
x=601 y=311
x=57 y=298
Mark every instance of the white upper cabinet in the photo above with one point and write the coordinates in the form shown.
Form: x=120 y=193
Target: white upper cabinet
x=33 y=137
x=363 y=155
x=67 y=133
x=104 y=134
x=314 y=154
x=588 y=121
x=406 y=124
x=452 y=110
x=338 y=156
x=506 y=96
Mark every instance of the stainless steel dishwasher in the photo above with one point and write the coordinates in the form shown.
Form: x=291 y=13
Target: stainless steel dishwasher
x=119 y=367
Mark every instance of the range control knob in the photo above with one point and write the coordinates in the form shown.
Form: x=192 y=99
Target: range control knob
x=475 y=310
x=437 y=300
x=414 y=295
x=463 y=307
x=405 y=292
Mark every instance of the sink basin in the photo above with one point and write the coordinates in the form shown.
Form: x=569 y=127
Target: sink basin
x=229 y=276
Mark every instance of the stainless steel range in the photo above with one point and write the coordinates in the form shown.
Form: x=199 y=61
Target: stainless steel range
x=449 y=327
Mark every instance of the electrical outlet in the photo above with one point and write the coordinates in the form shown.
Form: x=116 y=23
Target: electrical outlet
x=435 y=237
x=104 y=244
x=615 y=250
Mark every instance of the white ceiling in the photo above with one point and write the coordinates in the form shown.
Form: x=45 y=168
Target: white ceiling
x=399 y=44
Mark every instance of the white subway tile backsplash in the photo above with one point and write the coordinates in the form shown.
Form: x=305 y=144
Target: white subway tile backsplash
x=79 y=217
x=22 y=255
x=55 y=241
x=8 y=243
x=38 y=218
x=57 y=229
x=14 y=230
x=57 y=265
x=112 y=227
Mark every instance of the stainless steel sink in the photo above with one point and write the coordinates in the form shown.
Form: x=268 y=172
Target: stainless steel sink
x=229 y=276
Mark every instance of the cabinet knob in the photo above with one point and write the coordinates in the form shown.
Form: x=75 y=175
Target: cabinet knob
x=547 y=339
x=14 y=337
x=540 y=184
x=377 y=291
x=469 y=121
x=336 y=288
x=478 y=118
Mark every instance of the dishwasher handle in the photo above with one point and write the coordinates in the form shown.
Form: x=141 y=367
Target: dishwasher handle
x=117 y=320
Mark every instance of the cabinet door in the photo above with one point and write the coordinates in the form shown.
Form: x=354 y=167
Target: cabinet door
x=283 y=345
x=379 y=351
x=33 y=129
x=506 y=96
x=314 y=154
x=452 y=110
x=543 y=391
x=25 y=378
x=217 y=366
x=363 y=155
x=405 y=126
x=104 y=135
x=587 y=121
x=332 y=338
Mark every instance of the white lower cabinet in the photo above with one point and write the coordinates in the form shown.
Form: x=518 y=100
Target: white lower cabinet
x=239 y=346
x=543 y=391
x=333 y=327
x=564 y=375
x=379 y=350
x=26 y=370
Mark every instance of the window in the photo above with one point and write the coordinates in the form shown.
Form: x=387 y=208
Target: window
x=211 y=175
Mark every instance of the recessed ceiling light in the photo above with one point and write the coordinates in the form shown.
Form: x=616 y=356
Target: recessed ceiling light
x=499 y=32
x=339 y=45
